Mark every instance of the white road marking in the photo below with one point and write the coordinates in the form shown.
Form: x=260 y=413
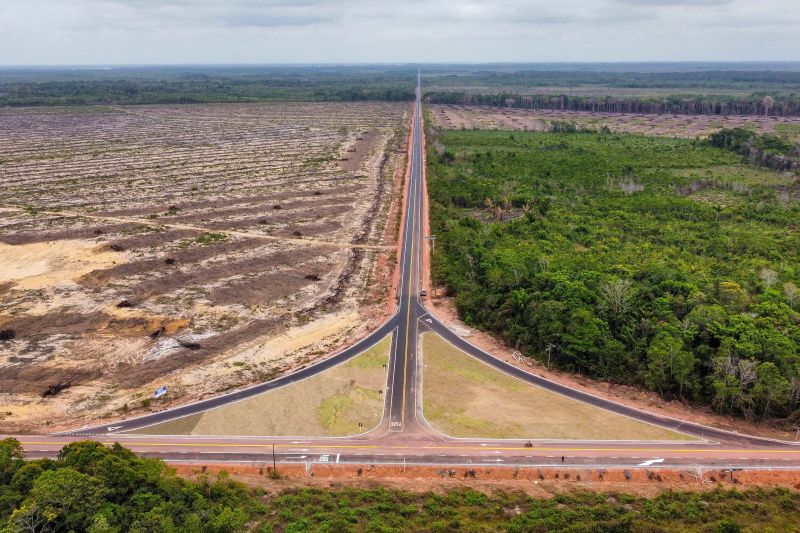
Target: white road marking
x=651 y=462
x=324 y=458
x=337 y=457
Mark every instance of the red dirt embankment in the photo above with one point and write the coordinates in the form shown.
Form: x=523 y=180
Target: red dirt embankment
x=400 y=205
x=426 y=227
x=638 y=480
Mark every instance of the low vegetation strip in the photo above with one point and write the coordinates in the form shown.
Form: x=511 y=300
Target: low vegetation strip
x=661 y=262
x=98 y=489
x=344 y=400
x=203 y=236
x=463 y=397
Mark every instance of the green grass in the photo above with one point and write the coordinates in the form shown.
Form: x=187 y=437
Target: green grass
x=463 y=397
x=790 y=132
x=375 y=357
x=338 y=413
x=210 y=238
x=331 y=403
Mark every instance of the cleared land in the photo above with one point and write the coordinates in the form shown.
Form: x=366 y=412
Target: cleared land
x=332 y=403
x=463 y=397
x=200 y=246
x=689 y=126
x=592 y=90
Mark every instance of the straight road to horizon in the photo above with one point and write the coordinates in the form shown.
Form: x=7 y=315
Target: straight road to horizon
x=404 y=436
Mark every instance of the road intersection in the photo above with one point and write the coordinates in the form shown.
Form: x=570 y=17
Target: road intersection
x=404 y=436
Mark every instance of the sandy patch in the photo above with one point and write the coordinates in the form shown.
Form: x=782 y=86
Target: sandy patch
x=293 y=341
x=46 y=264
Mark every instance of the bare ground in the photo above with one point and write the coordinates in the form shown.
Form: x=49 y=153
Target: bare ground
x=495 y=118
x=537 y=482
x=161 y=244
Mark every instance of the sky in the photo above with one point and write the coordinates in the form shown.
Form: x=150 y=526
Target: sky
x=117 y=32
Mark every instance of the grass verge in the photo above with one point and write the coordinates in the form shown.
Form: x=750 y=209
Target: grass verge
x=331 y=403
x=463 y=397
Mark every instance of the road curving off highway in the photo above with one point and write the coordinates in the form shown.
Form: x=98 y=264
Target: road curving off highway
x=463 y=397
x=341 y=401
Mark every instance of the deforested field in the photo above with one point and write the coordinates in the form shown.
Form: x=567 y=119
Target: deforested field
x=461 y=117
x=190 y=246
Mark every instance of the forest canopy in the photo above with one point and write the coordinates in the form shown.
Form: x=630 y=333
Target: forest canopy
x=666 y=263
x=99 y=489
x=188 y=85
x=694 y=88
x=771 y=89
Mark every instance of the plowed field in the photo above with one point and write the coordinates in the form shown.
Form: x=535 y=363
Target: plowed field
x=495 y=118
x=183 y=246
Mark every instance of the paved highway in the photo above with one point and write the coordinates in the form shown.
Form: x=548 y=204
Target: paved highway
x=404 y=436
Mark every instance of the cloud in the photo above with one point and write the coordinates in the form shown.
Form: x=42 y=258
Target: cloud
x=290 y=31
x=232 y=13
x=680 y=3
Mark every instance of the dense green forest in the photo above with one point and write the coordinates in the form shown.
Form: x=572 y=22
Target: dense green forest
x=685 y=104
x=681 y=77
x=91 y=488
x=661 y=262
x=695 y=89
x=186 y=85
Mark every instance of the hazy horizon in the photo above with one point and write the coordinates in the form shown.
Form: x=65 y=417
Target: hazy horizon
x=537 y=65
x=52 y=33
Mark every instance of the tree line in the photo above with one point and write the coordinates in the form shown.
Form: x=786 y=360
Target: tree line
x=126 y=92
x=97 y=489
x=756 y=104
x=186 y=85
x=679 y=77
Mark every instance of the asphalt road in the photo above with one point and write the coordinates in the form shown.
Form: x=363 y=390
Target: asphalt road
x=402 y=366
x=404 y=436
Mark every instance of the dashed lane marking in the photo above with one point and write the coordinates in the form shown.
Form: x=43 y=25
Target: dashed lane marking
x=432 y=447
